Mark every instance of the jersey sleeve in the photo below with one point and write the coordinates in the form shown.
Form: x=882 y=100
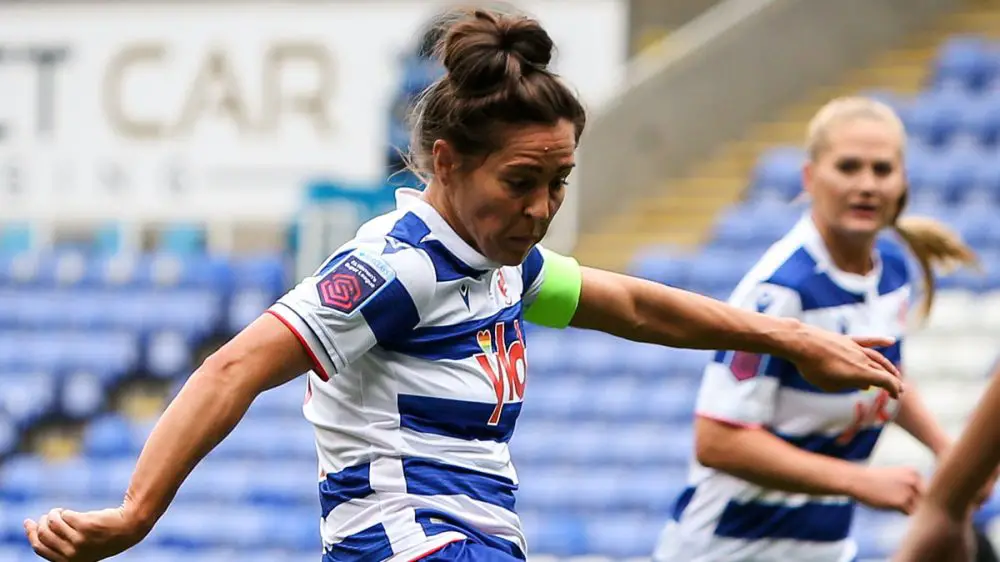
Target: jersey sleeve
x=740 y=387
x=361 y=297
x=551 y=288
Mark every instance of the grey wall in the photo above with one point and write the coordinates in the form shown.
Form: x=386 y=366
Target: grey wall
x=736 y=63
x=662 y=15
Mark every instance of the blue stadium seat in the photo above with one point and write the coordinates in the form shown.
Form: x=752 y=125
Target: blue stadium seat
x=649 y=444
x=592 y=352
x=25 y=477
x=245 y=306
x=283 y=401
x=622 y=536
x=82 y=393
x=779 y=171
x=670 y=399
x=169 y=354
x=554 y=533
x=662 y=265
x=550 y=489
x=719 y=270
x=27 y=396
x=291 y=530
x=108 y=436
x=979 y=226
x=934 y=116
x=284 y=483
x=545 y=354
x=110 y=477
x=651 y=490
x=198 y=271
x=966 y=62
x=9 y=434
x=189 y=526
x=266 y=273
x=758 y=222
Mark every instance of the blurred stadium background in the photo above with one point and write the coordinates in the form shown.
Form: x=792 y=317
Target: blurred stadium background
x=168 y=168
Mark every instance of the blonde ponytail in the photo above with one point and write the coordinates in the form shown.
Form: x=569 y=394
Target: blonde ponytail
x=936 y=247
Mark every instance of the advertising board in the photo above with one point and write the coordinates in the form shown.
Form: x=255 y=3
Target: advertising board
x=164 y=111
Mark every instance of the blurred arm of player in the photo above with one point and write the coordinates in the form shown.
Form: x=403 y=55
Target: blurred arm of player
x=214 y=399
x=649 y=312
x=756 y=455
x=940 y=530
x=918 y=421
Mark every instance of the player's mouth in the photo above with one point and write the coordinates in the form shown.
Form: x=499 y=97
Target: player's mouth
x=524 y=240
x=869 y=211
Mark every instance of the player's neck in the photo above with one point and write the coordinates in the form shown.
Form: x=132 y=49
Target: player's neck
x=437 y=198
x=851 y=254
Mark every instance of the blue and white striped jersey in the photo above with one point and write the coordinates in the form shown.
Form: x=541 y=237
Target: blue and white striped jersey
x=720 y=518
x=420 y=370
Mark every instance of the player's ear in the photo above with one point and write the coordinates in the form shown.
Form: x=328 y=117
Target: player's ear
x=808 y=178
x=445 y=162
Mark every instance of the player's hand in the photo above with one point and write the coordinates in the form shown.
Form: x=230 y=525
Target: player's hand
x=67 y=536
x=936 y=536
x=897 y=488
x=833 y=361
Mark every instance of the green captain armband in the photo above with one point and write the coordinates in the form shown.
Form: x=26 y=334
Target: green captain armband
x=559 y=294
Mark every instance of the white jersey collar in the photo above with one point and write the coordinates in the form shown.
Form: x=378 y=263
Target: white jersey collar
x=408 y=199
x=813 y=243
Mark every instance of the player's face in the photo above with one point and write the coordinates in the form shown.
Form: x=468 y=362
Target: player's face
x=505 y=203
x=857 y=182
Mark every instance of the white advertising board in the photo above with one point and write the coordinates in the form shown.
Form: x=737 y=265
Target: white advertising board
x=160 y=111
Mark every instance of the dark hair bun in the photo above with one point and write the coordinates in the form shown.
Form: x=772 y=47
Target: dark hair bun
x=489 y=52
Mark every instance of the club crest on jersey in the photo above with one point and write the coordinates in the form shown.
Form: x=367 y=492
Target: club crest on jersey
x=499 y=289
x=354 y=281
x=505 y=366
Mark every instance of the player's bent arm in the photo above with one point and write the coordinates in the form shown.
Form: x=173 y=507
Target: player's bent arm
x=264 y=355
x=917 y=420
x=757 y=456
x=969 y=464
x=939 y=530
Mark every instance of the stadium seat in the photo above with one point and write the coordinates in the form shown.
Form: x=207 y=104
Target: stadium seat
x=965 y=62
x=662 y=265
x=27 y=396
x=779 y=171
x=9 y=434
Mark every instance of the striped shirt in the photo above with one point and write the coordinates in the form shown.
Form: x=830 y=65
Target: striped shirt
x=420 y=367
x=721 y=518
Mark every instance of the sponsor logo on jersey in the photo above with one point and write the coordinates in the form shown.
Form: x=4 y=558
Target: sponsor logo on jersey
x=506 y=366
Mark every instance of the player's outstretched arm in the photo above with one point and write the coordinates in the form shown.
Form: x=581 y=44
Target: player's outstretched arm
x=649 y=312
x=940 y=528
x=756 y=455
x=264 y=355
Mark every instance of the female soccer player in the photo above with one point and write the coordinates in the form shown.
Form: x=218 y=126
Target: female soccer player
x=414 y=335
x=940 y=529
x=778 y=472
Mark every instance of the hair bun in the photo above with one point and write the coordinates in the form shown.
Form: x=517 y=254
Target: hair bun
x=490 y=52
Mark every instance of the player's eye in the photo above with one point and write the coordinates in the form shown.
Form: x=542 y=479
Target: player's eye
x=520 y=185
x=850 y=166
x=882 y=168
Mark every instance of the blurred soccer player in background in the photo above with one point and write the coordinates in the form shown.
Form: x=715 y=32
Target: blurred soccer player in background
x=777 y=475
